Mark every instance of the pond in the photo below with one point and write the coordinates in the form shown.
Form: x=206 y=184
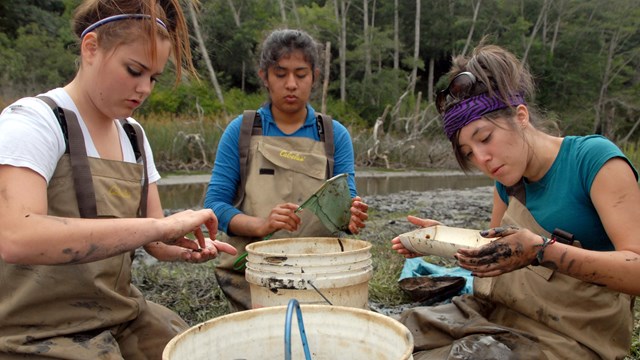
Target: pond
x=189 y=191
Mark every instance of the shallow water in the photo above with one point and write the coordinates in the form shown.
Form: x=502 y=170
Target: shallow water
x=190 y=192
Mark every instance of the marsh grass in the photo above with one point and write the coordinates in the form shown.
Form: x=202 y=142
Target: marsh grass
x=190 y=290
x=183 y=143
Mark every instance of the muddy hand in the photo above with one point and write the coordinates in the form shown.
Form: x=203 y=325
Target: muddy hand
x=396 y=244
x=210 y=251
x=514 y=249
x=358 y=215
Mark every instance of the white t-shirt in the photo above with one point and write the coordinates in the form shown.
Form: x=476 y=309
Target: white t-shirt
x=30 y=136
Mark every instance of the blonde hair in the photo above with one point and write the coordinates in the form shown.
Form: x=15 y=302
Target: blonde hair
x=125 y=31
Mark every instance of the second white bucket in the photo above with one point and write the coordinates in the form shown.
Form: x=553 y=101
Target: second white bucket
x=312 y=270
x=333 y=332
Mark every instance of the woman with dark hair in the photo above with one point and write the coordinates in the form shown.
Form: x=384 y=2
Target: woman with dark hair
x=269 y=161
x=559 y=280
x=79 y=194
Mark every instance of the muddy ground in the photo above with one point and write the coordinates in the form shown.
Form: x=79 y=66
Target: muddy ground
x=469 y=208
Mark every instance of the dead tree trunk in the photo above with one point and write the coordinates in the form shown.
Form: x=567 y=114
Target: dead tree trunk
x=396 y=37
x=374 y=153
x=416 y=48
x=205 y=54
x=633 y=129
x=283 y=12
x=236 y=19
x=294 y=8
x=432 y=66
x=367 y=41
x=556 y=27
x=467 y=44
x=341 y=9
x=604 y=87
x=543 y=11
x=325 y=82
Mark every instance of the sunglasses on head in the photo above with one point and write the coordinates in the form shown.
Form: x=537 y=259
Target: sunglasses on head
x=461 y=87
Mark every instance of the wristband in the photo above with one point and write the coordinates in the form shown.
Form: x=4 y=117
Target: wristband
x=540 y=255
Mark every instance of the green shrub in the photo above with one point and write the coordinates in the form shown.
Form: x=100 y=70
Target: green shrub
x=187 y=98
x=632 y=151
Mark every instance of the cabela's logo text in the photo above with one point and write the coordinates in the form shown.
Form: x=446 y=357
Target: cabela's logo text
x=117 y=192
x=291 y=155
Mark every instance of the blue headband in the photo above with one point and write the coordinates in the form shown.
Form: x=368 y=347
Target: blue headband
x=472 y=109
x=109 y=19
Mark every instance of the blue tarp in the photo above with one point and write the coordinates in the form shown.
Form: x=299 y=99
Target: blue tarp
x=419 y=267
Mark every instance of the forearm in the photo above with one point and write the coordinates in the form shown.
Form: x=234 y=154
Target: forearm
x=617 y=270
x=157 y=249
x=72 y=241
x=245 y=225
x=224 y=212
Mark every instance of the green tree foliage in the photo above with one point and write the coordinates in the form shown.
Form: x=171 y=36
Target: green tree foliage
x=16 y=14
x=35 y=51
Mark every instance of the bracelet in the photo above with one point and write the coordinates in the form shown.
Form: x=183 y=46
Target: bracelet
x=540 y=255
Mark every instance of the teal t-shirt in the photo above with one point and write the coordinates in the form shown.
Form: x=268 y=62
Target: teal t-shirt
x=561 y=198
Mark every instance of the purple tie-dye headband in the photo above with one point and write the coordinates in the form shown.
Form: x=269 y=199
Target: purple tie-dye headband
x=472 y=109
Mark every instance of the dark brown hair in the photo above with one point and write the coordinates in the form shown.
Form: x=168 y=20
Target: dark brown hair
x=283 y=42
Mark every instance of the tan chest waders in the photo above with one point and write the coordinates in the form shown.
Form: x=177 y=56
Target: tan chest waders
x=530 y=313
x=277 y=170
x=78 y=311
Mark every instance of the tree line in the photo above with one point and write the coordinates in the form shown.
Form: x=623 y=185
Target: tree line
x=386 y=59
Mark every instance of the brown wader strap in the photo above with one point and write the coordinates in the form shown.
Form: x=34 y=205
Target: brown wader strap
x=75 y=147
x=250 y=120
x=134 y=133
x=325 y=131
x=82 y=180
x=518 y=191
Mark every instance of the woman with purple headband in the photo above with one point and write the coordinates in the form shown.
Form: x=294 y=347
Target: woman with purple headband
x=78 y=188
x=559 y=281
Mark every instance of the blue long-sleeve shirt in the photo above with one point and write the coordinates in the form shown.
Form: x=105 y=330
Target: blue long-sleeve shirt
x=225 y=176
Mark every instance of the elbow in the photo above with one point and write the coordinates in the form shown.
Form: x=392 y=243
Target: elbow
x=208 y=204
x=20 y=248
x=10 y=251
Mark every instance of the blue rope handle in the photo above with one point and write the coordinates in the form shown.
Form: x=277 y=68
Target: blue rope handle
x=293 y=303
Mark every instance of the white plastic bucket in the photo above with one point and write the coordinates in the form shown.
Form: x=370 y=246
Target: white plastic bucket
x=333 y=332
x=283 y=269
